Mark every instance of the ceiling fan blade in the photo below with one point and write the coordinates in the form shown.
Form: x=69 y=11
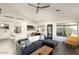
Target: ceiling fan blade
x=45 y=6
x=37 y=10
x=32 y=5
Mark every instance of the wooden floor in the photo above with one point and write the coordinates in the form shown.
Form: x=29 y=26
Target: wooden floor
x=64 y=50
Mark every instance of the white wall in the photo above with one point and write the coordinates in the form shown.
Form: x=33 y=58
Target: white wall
x=78 y=31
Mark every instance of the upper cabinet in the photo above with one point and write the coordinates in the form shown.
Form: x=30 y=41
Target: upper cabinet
x=30 y=27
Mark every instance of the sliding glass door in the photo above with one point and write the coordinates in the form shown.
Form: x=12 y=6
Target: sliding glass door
x=67 y=29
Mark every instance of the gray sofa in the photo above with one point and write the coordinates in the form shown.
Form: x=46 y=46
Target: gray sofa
x=37 y=44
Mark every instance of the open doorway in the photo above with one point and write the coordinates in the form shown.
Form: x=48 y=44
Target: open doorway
x=49 y=31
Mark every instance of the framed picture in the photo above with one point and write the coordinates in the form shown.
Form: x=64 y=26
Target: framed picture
x=17 y=29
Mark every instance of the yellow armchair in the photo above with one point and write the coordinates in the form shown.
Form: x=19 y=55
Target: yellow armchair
x=71 y=40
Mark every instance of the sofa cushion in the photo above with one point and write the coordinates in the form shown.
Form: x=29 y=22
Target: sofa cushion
x=51 y=43
x=38 y=43
x=28 y=50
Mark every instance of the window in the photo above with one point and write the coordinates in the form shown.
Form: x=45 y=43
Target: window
x=17 y=29
x=4 y=27
x=41 y=29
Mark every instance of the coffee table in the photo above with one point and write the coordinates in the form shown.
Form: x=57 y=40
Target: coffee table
x=45 y=50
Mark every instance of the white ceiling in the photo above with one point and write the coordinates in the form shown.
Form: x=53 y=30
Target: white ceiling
x=22 y=10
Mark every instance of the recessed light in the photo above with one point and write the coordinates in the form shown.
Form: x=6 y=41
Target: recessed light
x=58 y=10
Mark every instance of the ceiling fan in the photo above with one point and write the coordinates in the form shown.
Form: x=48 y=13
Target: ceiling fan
x=38 y=6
